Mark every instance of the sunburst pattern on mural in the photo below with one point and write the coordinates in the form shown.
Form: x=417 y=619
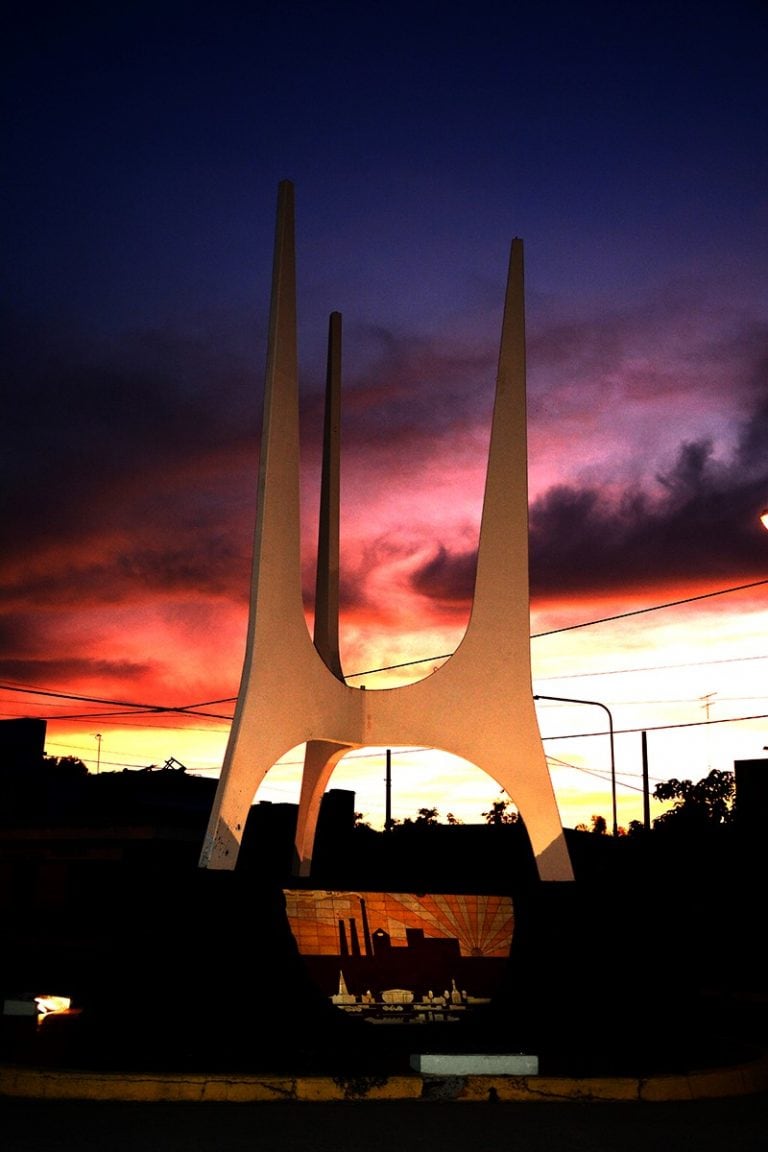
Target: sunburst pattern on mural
x=482 y=925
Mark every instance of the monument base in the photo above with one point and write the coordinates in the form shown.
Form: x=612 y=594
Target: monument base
x=475 y=1064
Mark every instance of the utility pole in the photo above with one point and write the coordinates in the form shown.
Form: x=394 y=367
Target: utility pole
x=646 y=793
x=97 y=738
x=706 y=700
x=388 y=793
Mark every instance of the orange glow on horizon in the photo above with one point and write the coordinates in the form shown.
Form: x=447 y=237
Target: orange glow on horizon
x=652 y=668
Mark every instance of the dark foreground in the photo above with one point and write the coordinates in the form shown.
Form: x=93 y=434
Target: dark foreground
x=740 y=1125
x=207 y=978
x=652 y=963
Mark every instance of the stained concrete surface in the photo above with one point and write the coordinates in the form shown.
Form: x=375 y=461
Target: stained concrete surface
x=707 y=1126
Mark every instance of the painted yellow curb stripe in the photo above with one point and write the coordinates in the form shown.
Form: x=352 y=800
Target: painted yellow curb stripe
x=53 y=1084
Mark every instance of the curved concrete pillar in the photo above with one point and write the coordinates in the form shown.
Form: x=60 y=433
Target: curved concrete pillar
x=479 y=705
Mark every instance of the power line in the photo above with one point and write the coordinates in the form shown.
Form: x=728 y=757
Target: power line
x=669 y=701
x=136 y=708
x=361 y=755
x=662 y=727
x=151 y=726
x=573 y=627
x=651 y=668
x=651 y=608
x=604 y=776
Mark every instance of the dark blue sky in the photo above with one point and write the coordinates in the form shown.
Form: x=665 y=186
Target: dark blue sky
x=625 y=143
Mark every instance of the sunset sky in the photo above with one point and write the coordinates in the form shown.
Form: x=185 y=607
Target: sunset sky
x=142 y=148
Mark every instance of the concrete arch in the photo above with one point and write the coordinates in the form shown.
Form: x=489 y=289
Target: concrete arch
x=478 y=705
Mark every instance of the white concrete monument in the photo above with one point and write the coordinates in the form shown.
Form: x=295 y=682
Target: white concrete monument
x=478 y=705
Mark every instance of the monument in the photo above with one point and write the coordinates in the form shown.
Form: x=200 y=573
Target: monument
x=478 y=705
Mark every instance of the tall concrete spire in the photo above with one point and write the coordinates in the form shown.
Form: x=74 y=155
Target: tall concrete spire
x=326 y=631
x=322 y=756
x=478 y=705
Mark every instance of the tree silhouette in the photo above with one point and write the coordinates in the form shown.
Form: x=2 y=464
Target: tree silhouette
x=707 y=803
x=599 y=826
x=64 y=767
x=501 y=812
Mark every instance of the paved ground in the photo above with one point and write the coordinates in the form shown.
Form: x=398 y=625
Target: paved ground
x=711 y=1109
x=459 y=1086
x=709 y=1126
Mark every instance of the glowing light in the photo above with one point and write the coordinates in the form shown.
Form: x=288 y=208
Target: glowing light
x=51 y=1005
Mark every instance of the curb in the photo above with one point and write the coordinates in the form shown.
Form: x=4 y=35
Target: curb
x=49 y=1084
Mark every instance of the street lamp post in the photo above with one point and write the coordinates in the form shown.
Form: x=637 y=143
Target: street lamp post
x=606 y=709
